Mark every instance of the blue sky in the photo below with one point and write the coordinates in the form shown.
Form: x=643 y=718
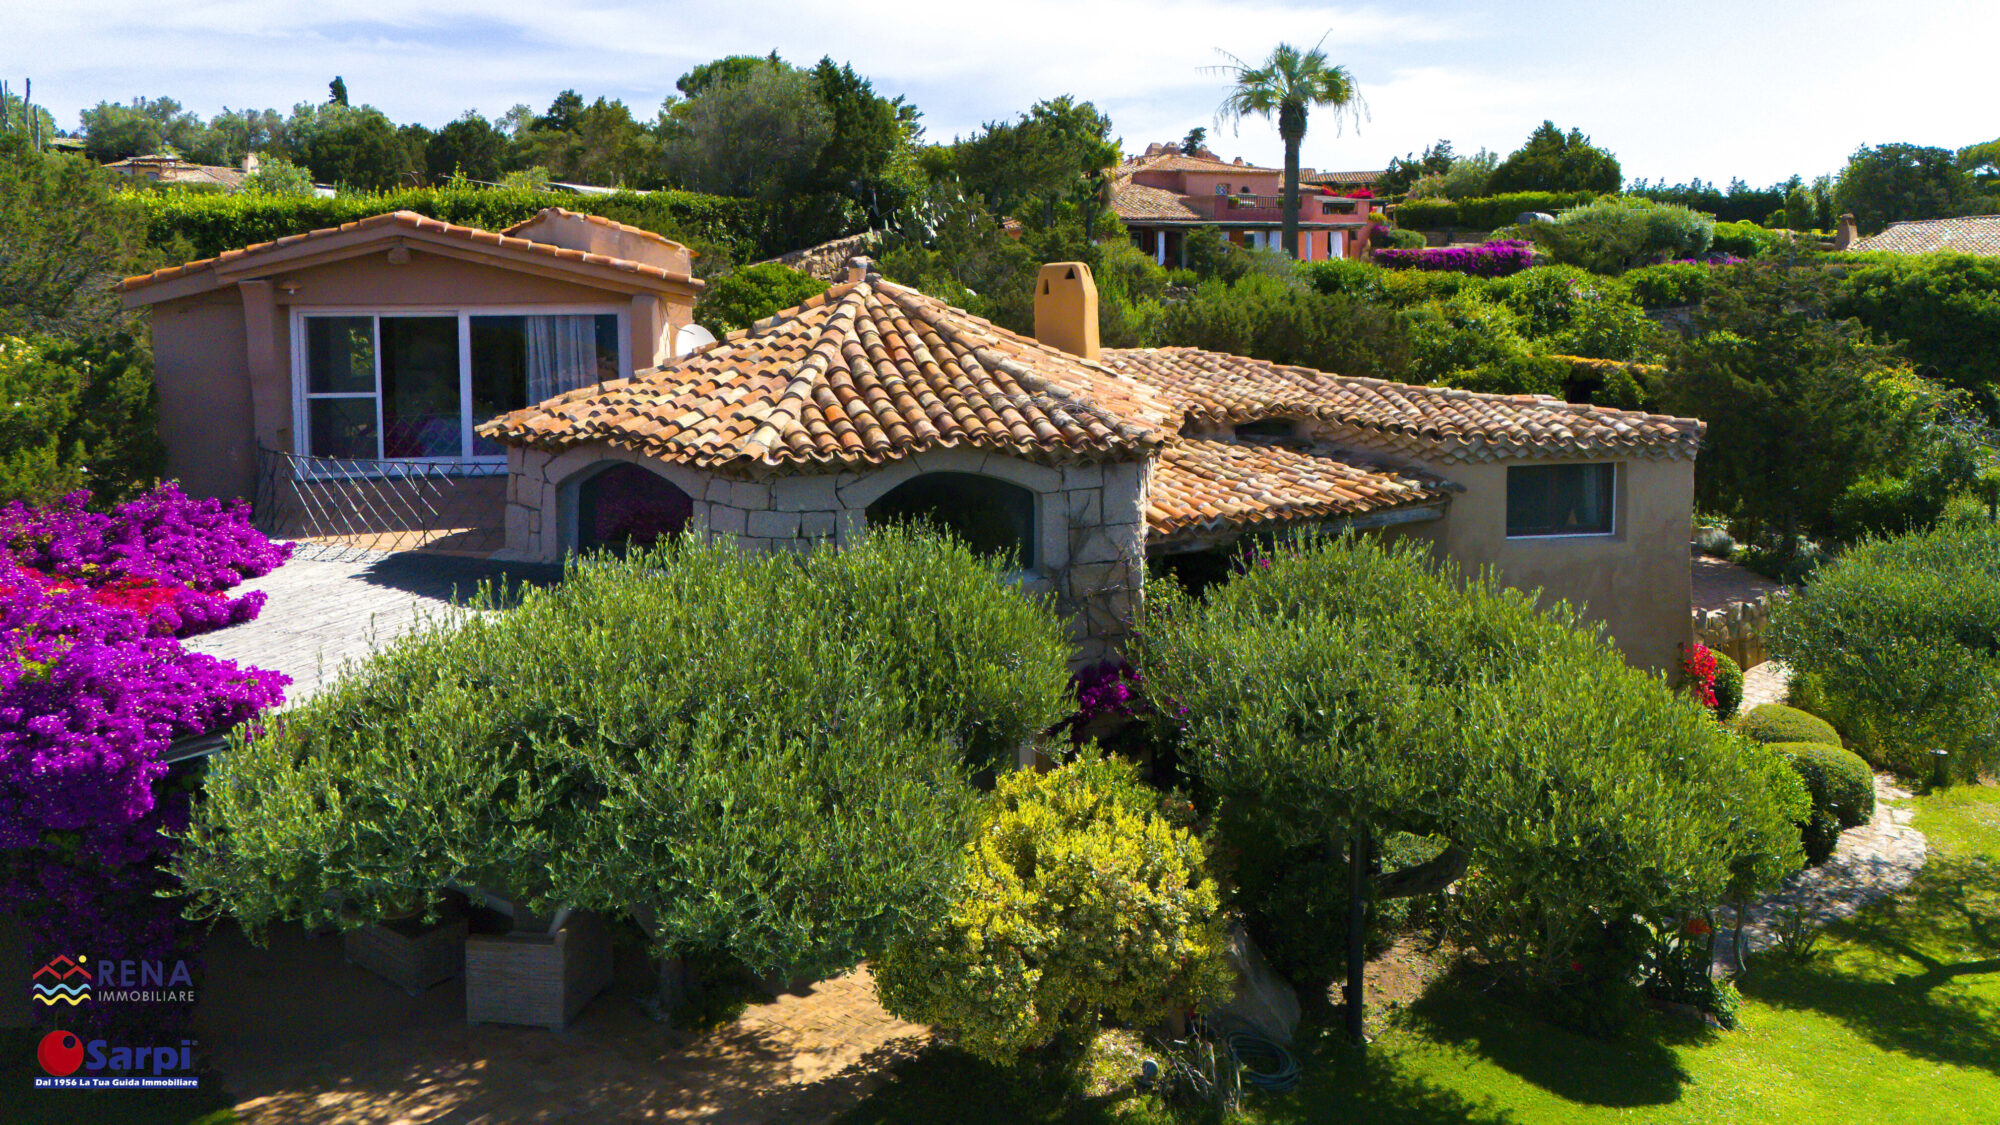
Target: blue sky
x=1755 y=88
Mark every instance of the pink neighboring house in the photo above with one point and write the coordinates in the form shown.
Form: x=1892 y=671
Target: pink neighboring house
x=1165 y=195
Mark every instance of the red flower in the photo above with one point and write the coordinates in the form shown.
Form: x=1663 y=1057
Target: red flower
x=1697 y=927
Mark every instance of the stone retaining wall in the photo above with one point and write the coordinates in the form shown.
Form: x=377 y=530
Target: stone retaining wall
x=1738 y=629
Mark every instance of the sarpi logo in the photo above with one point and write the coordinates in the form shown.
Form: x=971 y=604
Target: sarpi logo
x=62 y=981
x=66 y=980
x=63 y=1053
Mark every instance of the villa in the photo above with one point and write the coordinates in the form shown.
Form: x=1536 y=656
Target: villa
x=1165 y=195
x=542 y=366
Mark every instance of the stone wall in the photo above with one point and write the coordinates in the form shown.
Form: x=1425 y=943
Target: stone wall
x=1737 y=629
x=1090 y=538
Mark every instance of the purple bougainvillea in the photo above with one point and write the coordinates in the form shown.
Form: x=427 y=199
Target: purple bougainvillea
x=94 y=686
x=1492 y=259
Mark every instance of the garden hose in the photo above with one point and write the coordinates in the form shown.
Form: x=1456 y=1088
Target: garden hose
x=1262 y=1063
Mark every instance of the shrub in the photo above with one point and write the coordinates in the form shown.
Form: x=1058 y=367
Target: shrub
x=1612 y=328
x=1407 y=288
x=1461 y=333
x=1485 y=212
x=1615 y=233
x=1493 y=259
x=722 y=230
x=1901 y=638
x=1394 y=239
x=1728 y=686
x=1668 y=284
x=744 y=296
x=1775 y=722
x=1077 y=898
x=667 y=732
x=1944 y=308
x=1285 y=322
x=1514 y=375
x=1353 y=685
x=1819 y=837
x=1549 y=298
x=1839 y=781
x=1605 y=382
x=1744 y=240
x=77 y=414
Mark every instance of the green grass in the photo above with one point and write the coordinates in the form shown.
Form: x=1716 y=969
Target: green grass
x=1896 y=1020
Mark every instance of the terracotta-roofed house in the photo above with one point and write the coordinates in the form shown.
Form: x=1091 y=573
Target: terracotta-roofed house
x=1165 y=195
x=874 y=402
x=390 y=338
x=541 y=361
x=1971 y=234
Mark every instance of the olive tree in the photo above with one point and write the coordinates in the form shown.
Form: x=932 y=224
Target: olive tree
x=766 y=757
x=1349 y=690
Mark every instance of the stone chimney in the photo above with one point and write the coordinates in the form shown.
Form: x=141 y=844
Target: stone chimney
x=1847 y=233
x=1066 y=308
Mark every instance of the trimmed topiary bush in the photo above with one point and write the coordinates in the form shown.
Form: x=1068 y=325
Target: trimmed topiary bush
x=1728 y=687
x=1839 y=780
x=1077 y=898
x=1819 y=835
x=1775 y=722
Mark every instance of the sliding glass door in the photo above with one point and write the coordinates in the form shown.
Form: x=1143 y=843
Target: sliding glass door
x=413 y=387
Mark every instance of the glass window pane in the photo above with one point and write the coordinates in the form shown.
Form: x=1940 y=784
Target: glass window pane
x=1560 y=499
x=340 y=354
x=607 y=348
x=499 y=373
x=421 y=411
x=341 y=427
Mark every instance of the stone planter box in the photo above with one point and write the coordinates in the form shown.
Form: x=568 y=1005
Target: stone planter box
x=409 y=954
x=537 y=979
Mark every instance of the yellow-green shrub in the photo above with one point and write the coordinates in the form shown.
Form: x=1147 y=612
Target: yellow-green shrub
x=1079 y=898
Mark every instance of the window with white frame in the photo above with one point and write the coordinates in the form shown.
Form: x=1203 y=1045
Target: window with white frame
x=1561 y=500
x=411 y=386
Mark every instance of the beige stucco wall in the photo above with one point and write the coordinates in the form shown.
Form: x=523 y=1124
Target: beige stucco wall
x=1090 y=540
x=1636 y=580
x=202 y=369
x=222 y=392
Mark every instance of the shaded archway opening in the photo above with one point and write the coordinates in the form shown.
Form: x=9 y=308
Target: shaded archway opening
x=628 y=506
x=994 y=518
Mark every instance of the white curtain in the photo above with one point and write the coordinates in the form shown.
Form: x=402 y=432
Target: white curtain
x=562 y=354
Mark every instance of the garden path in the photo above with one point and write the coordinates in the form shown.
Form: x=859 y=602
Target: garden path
x=1872 y=862
x=329 y=606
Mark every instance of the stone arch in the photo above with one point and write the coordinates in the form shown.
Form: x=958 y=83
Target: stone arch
x=991 y=515
x=605 y=496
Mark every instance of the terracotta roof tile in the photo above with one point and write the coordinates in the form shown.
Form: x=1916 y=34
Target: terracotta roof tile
x=866 y=372
x=598 y=220
x=1140 y=202
x=1178 y=162
x=1974 y=234
x=1362 y=179
x=1205 y=486
x=1432 y=423
x=409 y=220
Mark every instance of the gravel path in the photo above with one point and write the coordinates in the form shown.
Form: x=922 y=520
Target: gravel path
x=1872 y=862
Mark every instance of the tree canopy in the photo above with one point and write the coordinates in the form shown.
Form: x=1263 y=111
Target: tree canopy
x=1893 y=182
x=1554 y=161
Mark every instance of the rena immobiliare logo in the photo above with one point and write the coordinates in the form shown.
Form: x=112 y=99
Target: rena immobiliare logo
x=64 y=1053
x=62 y=981
x=75 y=980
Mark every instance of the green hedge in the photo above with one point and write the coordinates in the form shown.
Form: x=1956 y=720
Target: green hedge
x=1839 y=780
x=1668 y=284
x=1485 y=212
x=1728 y=686
x=721 y=230
x=1775 y=722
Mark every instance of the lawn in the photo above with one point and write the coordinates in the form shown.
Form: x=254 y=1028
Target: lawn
x=1897 y=1019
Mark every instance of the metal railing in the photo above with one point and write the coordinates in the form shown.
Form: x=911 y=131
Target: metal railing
x=349 y=504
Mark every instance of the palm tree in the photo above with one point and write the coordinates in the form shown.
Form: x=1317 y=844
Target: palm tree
x=1287 y=86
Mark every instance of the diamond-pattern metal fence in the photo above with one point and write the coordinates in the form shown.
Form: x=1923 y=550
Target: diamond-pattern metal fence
x=334 y=505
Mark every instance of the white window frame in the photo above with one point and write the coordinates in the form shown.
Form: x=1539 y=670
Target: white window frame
x=486 y=464
x=1617 y=501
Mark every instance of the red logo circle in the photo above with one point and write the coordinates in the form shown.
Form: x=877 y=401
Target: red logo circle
x=61 y=1053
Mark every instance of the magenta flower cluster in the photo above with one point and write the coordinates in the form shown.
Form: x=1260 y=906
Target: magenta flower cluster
x=1492 y=259
x=95 y=685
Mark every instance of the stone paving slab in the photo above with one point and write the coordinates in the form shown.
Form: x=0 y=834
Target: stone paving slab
x=330 y=607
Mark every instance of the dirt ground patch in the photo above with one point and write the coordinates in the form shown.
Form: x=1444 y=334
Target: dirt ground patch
x=301 y=1037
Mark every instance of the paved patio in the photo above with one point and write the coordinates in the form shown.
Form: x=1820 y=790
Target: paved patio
x=330 y=606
